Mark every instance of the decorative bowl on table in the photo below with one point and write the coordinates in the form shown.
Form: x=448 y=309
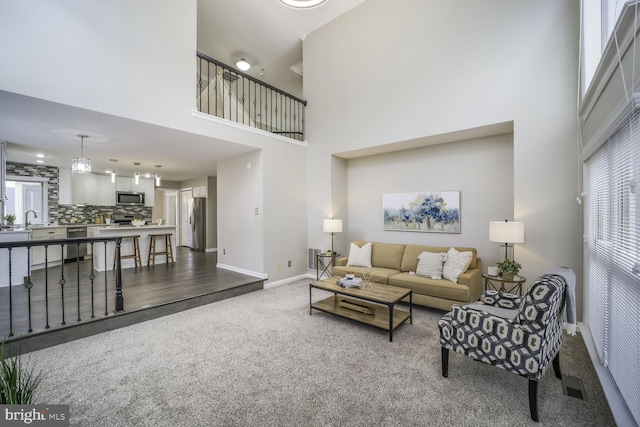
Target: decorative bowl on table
x=137 y=222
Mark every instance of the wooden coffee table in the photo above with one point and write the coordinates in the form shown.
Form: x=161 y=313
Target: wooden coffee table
x=373 y=306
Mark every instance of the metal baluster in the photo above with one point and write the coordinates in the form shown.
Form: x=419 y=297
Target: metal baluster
x=46 y=285
x=62 y=282
x=106 y=304
x=29 y=285
x=78 y=277
x=92 y=277
x=10 y=297
x=119 y=298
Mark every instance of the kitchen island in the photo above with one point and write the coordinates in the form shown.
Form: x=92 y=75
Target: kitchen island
x=126 y=248
x=19 y=263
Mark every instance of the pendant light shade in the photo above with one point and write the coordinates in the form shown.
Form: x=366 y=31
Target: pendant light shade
x=302 y=4
x=136 y=176
x=243 y=64
x=113 y=170
x=158 y=176
x=81 y=164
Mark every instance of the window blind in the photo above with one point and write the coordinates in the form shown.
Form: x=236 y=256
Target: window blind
x=612 y=251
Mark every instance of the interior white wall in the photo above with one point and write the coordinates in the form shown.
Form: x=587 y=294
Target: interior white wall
x=472 y=64
x=486 y=194
x=285 y=195
x=212 y=213
x=240 y=230
x=131 y=59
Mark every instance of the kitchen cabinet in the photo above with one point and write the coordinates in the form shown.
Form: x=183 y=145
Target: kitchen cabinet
x=54 y=252
x=124 y=183
x=106 y=191
x=84 y=189
x=200 y=191
x=149 y=191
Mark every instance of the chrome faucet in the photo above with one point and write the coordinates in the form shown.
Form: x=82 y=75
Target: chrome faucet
x=26 y=218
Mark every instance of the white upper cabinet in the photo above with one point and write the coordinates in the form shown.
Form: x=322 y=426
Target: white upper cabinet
x=84 y=189
x=200 y=191
x=106 y=191
x=124 y=183
x=149 y=191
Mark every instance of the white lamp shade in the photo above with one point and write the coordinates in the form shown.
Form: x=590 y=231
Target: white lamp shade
x=302 y=4
x=332 y=226
x=506 y=232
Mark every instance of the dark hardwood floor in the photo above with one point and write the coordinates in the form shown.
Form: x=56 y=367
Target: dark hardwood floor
x=148 y=292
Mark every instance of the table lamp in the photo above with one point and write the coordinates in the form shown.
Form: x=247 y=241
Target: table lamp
x=506 y=233
x=332 y=226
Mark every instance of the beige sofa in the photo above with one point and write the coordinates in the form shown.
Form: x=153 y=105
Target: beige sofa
x=393 y=264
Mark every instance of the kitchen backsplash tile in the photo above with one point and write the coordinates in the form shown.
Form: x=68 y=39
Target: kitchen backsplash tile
x=87 y=214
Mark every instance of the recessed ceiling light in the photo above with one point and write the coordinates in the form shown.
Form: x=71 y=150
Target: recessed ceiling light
x=302 y=4
x=39 y=161
x=41 y=155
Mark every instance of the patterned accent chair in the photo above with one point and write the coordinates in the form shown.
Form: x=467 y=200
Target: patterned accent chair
x=518 y=334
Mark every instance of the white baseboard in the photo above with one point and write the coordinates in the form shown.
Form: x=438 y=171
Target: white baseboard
x=284 y=281
x=263 y=276
x=619 y=408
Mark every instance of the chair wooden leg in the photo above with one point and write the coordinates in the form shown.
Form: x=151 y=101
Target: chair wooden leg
x=533 y=399
x=556 y=366
x=445 y=362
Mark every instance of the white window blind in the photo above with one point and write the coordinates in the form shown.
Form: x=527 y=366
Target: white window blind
x=612 y=251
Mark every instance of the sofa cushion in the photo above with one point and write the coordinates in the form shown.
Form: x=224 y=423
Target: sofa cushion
x=385 y=255
x=411 y=252
x=430 y=264
x=360 y=256
x=456 y=264
x=378 y=274
x=434 y=288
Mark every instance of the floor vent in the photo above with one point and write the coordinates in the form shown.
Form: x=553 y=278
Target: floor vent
x=311 y=258
x=573 y=387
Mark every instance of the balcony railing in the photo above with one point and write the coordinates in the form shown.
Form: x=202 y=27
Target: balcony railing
x=52 y=296
x=225 y=92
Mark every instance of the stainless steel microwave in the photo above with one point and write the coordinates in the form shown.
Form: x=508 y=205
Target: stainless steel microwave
x=129 y=198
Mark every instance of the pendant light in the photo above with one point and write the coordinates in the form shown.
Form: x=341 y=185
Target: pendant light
x=81 y=164
x=113 y=170
x=302 y=4
x=136 y=177
x=158 y=176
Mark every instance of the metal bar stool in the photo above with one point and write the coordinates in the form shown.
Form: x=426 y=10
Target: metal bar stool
x=153 y=252
x=136 y=252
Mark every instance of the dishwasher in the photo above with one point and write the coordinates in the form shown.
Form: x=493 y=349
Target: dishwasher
x=75 y=251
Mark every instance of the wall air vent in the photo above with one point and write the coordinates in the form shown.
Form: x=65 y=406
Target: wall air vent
x=311 y=259
x=230 y=77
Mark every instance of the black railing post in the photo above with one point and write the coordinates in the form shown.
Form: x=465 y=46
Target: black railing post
x=10 y=298
x=119 y=297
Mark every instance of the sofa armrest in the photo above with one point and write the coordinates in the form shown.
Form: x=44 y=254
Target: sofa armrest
x=472 y=278
x=342 y=261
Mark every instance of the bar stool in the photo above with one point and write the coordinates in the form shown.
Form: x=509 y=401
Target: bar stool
x=168 y=248
x=135 y=255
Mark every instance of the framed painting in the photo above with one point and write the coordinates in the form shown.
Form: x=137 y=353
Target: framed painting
x=429 y=212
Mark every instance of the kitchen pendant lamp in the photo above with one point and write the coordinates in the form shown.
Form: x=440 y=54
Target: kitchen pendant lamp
x=302 y=4
x=158 y=176
x=136 y=176
x=81 y=164
x=113 y=170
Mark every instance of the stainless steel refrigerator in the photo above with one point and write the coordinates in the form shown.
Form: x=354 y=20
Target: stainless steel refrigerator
x=198 y=241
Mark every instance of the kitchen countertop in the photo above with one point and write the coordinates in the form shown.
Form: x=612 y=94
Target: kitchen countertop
x=131 y=227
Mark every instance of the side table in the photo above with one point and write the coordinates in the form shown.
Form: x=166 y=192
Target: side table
x=502 y=284
x=324 y=262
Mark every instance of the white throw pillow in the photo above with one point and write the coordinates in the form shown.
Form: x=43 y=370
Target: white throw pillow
x=360 y=257
x=430 y=264
x=456 y=264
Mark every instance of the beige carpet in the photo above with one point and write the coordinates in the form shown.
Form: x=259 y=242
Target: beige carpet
x=261 y=360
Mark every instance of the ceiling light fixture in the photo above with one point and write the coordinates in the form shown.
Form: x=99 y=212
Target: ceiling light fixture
x=81 y=164
x=158 y=176
x=302 y=4
x=136 y=177
x=113 y=170
x=243 y=65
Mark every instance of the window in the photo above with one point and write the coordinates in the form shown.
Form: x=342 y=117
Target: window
x=26 y=194
x=612 y=256
x=599 y=18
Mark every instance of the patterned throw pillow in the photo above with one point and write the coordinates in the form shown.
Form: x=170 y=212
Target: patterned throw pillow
x=360 y=256
x=430 y=264
x=456 y=264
